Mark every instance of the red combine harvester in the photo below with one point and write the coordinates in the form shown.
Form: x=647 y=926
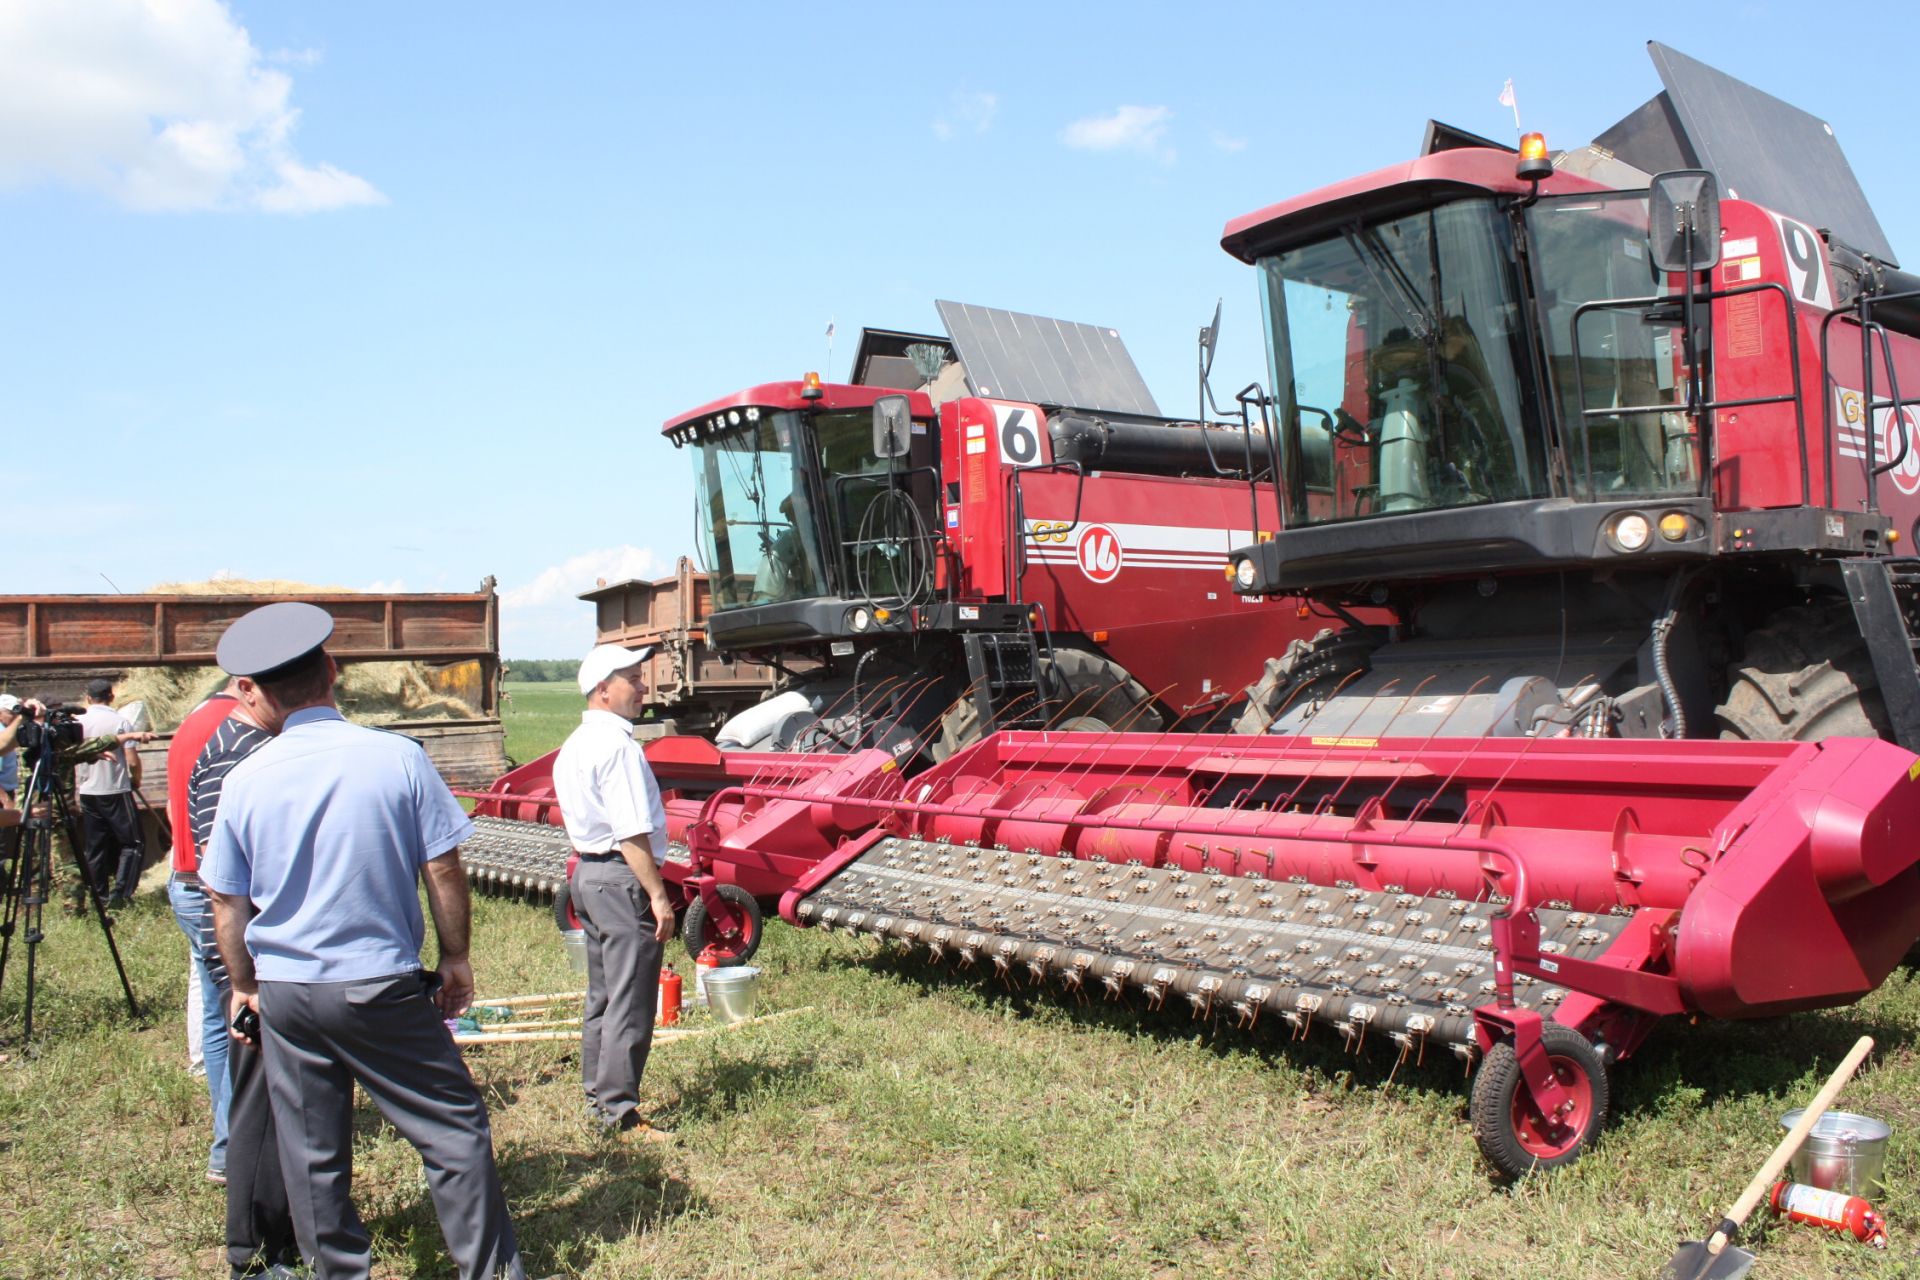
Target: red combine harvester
x=1628 y=463
x=1022 y=541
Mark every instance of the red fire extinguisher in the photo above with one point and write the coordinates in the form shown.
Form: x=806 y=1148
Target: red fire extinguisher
x=667 y=1005
x=1833 y=1210
x=705 y=963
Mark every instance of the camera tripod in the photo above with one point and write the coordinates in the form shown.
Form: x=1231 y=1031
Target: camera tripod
x=29 y=881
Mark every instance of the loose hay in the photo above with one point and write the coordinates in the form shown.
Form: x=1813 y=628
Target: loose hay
x=369 y=692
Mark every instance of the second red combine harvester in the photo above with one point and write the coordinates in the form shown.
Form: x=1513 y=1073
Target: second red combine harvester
x=1629 y=464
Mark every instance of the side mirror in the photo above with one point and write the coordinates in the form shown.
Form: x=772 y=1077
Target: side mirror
x=892 y=427
x=1209 y=339
x=1683 y=220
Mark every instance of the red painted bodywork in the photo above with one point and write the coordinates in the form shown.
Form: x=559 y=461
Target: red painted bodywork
x=1764 y=456
x=1168 y=615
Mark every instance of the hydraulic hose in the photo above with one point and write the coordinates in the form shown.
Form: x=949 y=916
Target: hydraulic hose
x=1676 y=724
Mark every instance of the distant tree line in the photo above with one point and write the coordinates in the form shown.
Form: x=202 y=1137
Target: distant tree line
x=543 y=670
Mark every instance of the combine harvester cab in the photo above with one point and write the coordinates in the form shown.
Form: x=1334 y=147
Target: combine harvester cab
x=1532 y=905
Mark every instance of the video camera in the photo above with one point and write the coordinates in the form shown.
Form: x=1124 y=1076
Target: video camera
x=44 y=731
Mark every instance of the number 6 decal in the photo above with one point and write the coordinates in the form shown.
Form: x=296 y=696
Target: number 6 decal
x=1019 y=434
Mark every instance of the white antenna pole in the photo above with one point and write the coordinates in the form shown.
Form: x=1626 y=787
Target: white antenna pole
x=830 y=328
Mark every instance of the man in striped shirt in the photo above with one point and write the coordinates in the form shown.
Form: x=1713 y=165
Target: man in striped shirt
x=193 y=912
x=259 y=1220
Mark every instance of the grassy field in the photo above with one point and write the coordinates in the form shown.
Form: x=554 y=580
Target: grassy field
x=538 y=717
x=924 y=1122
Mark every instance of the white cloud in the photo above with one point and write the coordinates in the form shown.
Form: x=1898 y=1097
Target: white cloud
x=1142 y=129
x=162 y=105
x=380 y=587
x=543 y=617
x=967 y=112
x=1228 y=143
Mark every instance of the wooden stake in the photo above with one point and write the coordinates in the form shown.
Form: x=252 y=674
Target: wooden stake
x=516 y=1001
x=668 y=1035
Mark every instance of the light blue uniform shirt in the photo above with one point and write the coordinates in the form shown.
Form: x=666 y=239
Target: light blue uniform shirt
x=326 y=828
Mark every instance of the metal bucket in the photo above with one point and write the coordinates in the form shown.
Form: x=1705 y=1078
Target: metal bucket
x=1846 y=1152
x=730 y=992
x=575 y=941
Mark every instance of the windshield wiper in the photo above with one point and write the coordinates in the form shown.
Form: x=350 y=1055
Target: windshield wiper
x=1393 y=281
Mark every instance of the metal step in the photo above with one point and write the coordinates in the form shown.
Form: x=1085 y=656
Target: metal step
x=1003 y=669
x=1410 y=967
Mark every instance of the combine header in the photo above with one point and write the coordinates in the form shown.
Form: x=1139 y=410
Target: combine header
x=1533 y=905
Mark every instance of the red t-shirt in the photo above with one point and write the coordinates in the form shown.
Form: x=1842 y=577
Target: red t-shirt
x=188 y=742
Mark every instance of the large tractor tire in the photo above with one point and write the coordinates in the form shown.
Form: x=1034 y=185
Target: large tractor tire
x=1095 y=694
x=1805 y=675
x=1307 y=674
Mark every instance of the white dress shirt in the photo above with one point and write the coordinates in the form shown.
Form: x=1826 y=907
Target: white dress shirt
x=606 y=789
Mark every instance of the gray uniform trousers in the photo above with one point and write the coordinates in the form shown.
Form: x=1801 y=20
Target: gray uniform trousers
x=623 y=981
x=321 y=1037
x=259 y=1222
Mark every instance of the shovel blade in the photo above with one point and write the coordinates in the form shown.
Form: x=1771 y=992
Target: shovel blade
x=1693 y=1262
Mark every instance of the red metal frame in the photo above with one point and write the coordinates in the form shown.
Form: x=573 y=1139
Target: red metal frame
x=1760 y=877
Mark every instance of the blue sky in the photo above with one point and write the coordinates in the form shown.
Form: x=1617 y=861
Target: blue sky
x=400 y=294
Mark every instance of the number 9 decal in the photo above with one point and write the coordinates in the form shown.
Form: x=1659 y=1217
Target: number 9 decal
x=1019 y=434
x=1805 y=268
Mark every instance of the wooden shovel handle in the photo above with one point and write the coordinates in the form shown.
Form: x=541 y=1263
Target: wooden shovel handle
x=1790 y=1144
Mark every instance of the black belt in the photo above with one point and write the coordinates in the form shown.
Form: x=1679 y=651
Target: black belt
x=612 y=856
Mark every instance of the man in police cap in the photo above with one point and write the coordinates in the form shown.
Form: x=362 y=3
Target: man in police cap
x=611 y=806
x=321 y=837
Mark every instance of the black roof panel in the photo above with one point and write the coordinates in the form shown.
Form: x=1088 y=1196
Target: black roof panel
x=1013 y=356
x=1760 y=148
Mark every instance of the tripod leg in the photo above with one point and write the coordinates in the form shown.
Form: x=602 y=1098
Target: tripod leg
x=64 y=815
x=99 y=907
x=16 y=861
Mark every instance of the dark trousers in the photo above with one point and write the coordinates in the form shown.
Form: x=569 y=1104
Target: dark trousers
x=259 y=1221
x=322 y=1037
x=113 y=850
x=623 y=981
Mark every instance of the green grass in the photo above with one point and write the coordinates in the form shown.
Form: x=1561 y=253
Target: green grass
x=927 y=1122
x=538 y=717
x=922 y=1123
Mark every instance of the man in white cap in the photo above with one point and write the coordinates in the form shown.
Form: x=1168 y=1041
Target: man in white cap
x=611 y=806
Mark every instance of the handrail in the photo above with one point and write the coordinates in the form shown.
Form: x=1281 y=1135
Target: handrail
x=1701 y=409
x=1017 y=535
x=1862 y=314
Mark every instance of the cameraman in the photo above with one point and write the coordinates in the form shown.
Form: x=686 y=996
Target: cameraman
x=115 y=848
x=55 y=742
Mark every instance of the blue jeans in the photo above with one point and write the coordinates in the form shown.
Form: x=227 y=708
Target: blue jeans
x=193 y=912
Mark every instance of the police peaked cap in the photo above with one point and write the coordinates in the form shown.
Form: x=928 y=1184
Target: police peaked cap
x=274 y=636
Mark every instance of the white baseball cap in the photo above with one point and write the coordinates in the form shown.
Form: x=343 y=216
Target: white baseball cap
x=607 y=659
x=8 y=702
